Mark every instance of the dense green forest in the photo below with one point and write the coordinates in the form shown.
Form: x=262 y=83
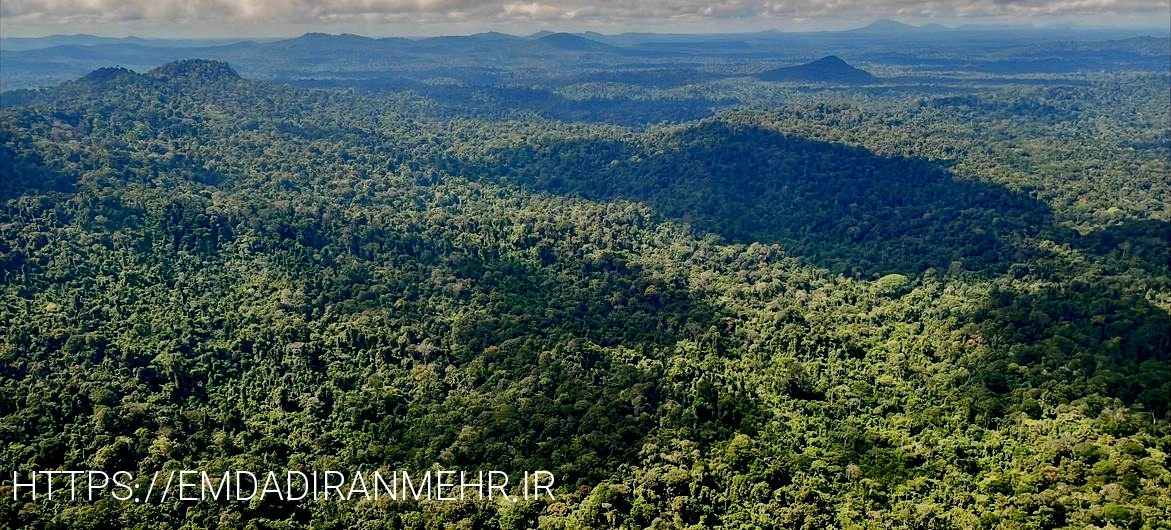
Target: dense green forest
x=936 y=308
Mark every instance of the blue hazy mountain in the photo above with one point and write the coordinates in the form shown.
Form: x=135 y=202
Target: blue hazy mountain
x=887 y=25
x=570 y=42
x=33 y=43
x=47 y=61
x=829 y=69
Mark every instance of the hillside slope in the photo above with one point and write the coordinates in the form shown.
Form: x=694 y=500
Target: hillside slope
x=202 y=271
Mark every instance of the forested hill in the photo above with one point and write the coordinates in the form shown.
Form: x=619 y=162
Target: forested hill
x=837 y=312
x=825 y=70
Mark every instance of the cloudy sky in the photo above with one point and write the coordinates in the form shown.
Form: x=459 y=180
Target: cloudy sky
x=420 y=17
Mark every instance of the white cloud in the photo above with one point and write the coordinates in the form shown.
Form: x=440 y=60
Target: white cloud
x=14 y=13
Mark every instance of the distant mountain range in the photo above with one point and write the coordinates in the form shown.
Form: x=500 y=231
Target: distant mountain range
x=481 y=58
x=825 y=70
x=879 y=27
x=567 y=41
x=32 y=43
x=891 y=26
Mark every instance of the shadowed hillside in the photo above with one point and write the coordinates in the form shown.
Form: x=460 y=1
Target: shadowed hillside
x=841 y=207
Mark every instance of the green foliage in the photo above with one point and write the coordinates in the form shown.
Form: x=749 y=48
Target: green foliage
x=788 y=318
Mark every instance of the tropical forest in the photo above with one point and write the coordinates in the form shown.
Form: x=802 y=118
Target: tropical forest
x=899 y=277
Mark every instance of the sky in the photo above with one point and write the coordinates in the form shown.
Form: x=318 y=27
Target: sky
x=275 y=18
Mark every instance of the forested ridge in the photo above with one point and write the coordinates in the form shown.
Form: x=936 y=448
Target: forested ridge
x=844 y=311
